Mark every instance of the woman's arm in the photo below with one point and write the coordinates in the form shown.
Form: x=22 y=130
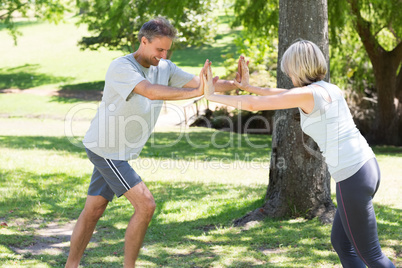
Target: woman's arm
x=262 y=91
x=297 y=97
x=220 y=86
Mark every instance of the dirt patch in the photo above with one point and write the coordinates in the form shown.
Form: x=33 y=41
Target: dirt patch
x=54 y=239
x=268 y=251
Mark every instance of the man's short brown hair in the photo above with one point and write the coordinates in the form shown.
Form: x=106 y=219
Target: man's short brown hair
x=157 y=27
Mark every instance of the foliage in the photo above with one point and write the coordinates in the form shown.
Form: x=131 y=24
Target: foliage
x=260 y=18
x=261 y=51
x=350 y=64
x=258 y=39
x=383 y=16
x=12 y=10
x=121 y=20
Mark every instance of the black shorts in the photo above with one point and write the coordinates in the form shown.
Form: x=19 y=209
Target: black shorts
x=111 y=177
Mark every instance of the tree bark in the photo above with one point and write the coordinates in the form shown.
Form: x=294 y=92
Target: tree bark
x=299 y=181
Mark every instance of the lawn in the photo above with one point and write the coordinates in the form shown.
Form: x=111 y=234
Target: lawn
x=202 y=179
x=199 y=192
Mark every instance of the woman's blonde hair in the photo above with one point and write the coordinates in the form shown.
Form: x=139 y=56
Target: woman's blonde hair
x=304 y=62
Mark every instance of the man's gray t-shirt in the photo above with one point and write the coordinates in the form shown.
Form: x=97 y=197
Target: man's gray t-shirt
x=125 y=120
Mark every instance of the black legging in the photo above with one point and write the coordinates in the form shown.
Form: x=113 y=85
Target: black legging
x=354 y=231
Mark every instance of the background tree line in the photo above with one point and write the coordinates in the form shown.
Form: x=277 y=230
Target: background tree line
x=365 y=42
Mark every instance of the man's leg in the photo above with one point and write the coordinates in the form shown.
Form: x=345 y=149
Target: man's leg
x=144 y=205
x=121 y=179
x=84 y=228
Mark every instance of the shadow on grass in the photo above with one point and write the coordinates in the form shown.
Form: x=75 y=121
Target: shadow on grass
x=33 y=201
x=95 y=85
x=176 y=243
x=42 y=191
x=388 y=150
x=201 y=145
x=55 y=144
x=26 y=76
x=299 y=241
x=21 y=24
x=71 y=93
x=74 y=96
x=208 y=145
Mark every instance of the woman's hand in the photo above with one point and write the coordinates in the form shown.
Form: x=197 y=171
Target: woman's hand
x=242 y=75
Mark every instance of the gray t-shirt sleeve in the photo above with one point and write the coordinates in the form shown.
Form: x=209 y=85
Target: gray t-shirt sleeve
x=123 y=77
x=178 y=77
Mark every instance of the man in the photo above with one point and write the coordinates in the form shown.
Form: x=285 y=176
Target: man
x=135 y=87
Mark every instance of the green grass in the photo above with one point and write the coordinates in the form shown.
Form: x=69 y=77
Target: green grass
x=199 y=192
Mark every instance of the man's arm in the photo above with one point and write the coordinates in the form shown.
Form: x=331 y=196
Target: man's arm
x=225 y=85
x=190 y=90
x=160 y=92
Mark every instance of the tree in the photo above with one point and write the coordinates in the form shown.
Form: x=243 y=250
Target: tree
x=378 y=23
x=299 y=182
x=365 y=45
x=10 y=10
x=121 y=20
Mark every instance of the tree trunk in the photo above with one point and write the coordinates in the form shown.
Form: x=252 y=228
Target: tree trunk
x=299 y=181
x=388 y=128
x=399 y=97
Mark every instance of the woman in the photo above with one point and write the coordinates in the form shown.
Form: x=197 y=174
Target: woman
x=325 y=117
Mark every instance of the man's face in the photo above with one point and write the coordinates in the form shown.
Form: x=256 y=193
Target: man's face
x=156 y=50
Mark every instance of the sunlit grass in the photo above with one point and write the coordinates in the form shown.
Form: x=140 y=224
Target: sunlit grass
x=44 y=179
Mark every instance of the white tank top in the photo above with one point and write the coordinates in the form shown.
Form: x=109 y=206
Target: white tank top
x=331 y=126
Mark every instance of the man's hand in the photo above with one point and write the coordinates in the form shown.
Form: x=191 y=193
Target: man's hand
x=242 y=75
x=208 y=81
x=200 y=88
